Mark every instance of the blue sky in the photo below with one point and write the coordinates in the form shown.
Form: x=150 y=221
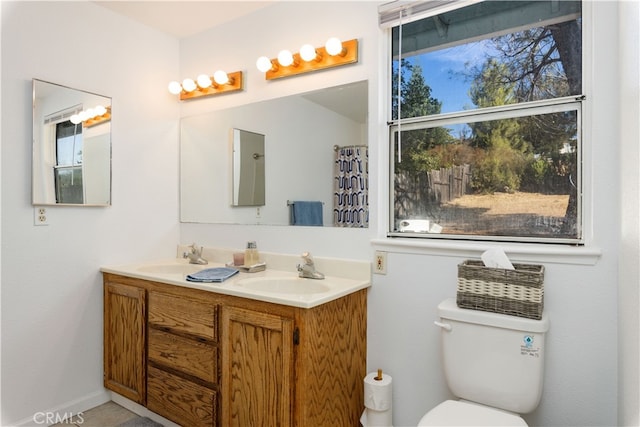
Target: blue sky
x=443 y=72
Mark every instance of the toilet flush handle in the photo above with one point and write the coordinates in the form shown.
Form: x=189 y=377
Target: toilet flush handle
x=445 y=326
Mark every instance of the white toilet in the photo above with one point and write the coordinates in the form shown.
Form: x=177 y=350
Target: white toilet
x=493 y=362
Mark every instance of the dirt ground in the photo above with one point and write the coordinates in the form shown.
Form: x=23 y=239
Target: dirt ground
x=513 y=214
x=548 y=205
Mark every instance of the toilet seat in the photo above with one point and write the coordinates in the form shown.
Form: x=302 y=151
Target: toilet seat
x=463 y=413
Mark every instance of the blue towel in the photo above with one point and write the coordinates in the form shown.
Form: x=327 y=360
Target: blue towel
x=208 y=275
x=306 y=213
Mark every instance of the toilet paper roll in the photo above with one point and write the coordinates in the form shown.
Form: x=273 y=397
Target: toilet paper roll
x=371 y=418
x=378 y=393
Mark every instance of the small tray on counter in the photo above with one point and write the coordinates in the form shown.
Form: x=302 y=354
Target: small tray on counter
x=261 y=266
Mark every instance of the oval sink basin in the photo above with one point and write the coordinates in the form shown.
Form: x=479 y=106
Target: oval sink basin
x=171 y=268
x=284 y=285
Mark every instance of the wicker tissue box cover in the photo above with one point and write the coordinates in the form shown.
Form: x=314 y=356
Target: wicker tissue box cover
x=518 y=292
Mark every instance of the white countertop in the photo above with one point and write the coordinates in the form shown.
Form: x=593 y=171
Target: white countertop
x=174 y=272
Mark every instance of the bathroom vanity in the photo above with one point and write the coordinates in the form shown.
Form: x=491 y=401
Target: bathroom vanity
x=203 y=354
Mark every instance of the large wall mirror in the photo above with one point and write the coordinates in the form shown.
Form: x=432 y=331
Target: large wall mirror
x=310 y=141
x=71 y=146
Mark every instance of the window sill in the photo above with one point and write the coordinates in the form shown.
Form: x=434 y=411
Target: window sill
x=522 y=252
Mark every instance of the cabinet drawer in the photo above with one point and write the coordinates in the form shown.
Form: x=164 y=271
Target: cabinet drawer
x=186 y=355
x=183 y=315
x=180 y=400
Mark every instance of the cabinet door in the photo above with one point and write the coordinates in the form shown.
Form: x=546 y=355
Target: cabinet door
x=124 y=340
x=257 y=368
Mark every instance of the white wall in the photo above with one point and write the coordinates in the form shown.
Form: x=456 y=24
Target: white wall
x=581 y=379
x=51 y=286
x=628 y=295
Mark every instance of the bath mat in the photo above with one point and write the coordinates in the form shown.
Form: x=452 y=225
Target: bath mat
x=140 y=422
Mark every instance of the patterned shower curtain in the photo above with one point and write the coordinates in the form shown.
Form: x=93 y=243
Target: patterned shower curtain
x=351 y=187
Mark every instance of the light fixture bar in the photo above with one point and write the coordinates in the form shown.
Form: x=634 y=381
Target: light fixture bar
x=324 y=60
x=235 y=83
x=98 y=119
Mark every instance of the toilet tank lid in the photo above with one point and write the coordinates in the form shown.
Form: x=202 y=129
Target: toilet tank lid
x=448 y=309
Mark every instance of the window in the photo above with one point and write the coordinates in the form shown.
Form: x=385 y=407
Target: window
x=68 y=168
x=486 y=116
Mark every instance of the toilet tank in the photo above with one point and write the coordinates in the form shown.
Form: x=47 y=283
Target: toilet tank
x=493 y=359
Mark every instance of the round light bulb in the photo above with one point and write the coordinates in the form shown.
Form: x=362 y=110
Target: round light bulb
x=285 y=58
x=221 y=77
x=308 y=52
x=175 y=88
x=189 y=85
x=83 y=116
x=264 y=64
x=333 y=46
x=75 y=119
x=91 y=113
x=204 y=81
x=100 y=110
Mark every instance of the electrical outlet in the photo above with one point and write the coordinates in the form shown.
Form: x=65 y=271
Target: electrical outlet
x=40 y=216
x=380 y=263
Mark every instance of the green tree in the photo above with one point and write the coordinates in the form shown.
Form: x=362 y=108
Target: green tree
x=502 y=163
x=414 y=149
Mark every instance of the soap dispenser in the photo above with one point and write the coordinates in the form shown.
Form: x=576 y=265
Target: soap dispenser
x=251 y=256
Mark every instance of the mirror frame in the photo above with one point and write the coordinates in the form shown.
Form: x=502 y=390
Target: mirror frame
x=64 y=100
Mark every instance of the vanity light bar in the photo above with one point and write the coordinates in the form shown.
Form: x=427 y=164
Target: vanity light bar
x=204 y=85
x=334 y=54
x=98 y=119
x=92 y=116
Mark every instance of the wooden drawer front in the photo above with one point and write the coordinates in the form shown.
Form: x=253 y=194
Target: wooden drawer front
x=189 y=356
x=180 y=400
x=183 y=315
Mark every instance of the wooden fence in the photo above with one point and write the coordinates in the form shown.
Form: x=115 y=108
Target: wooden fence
x=415 y=193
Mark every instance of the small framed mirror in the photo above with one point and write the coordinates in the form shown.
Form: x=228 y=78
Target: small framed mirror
x=71 y=146
x=248 y=168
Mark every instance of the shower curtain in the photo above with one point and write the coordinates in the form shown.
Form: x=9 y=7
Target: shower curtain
x=351 y=187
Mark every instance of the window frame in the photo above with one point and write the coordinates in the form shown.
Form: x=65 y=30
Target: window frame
x=578 y=102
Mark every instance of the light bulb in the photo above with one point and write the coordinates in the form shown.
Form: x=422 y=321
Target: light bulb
x=189 y=85
x=204 y=81
x=264 y=64
x=75 y=119
x=221 y=77
x=91 y=113
x=175 y=88
x=83 y=116
x=308 y=52
x=333 y=46
x=285 y=58
x=100 y=110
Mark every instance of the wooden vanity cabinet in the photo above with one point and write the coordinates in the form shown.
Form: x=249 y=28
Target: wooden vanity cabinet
x=257 y=368
x=124 y=339
x=182 y=356
x=213 y=359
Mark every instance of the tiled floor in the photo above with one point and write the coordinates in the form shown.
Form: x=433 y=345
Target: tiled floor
x=109 y=414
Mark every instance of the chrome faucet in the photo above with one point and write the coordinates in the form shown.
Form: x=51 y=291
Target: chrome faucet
x=195 y=255
x=308 y=269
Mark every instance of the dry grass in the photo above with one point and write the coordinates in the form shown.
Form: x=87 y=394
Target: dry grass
x=547 y=205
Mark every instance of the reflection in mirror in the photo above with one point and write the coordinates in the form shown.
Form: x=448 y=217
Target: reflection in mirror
x=248 y=168
x=71 y=146
x=300 y=158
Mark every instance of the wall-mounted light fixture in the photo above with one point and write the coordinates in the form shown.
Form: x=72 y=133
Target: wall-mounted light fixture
x=205 y=85
x=92 y=116
x=333 y=54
